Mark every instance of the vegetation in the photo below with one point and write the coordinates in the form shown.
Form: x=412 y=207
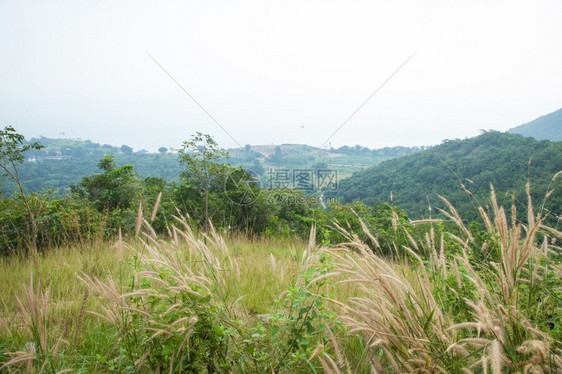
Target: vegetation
x=103 y=204
x=131 y=276
x=346 y=160
x=201 y=158
x=449 y=302
x=415 y=182
x=466 y=305
x=64 y=162
x=12 y=152
x=547 y=127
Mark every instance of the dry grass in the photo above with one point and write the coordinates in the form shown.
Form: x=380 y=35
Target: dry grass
x=88 y=283
x=148 y=293
x=405 y=327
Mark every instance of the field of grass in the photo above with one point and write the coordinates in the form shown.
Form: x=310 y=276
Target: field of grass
x=222 y=303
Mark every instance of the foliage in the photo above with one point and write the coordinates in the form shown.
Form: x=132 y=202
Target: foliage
x=300 y=325
x=64 y=162
x=113 y=189
x=60 y=220
x=450 y=169
x=12 y=152
x=494 y=309
x=200 y=156
x=481 y=298
x=12 y=149
x=381 y=219
x=180 y=313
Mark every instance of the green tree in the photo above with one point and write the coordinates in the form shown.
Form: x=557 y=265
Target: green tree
x=11 y=155
x=162 y=150
x=116 y=188
x=200 y=156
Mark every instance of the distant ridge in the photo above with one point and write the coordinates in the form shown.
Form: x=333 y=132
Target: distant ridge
x=547 y=127
x=507 y=161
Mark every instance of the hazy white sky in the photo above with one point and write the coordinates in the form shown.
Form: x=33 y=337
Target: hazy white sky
x=277 y=71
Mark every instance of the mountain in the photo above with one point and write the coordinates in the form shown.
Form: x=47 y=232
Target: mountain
x=507 y=161
x=547 y=127
x=65 y=161
x=345 y=160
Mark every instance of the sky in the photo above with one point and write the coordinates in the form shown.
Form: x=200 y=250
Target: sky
x=274 y=72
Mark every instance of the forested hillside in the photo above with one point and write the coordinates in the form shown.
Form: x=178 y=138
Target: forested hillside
x=505 y=160
x=547 y=127
x=63 y=162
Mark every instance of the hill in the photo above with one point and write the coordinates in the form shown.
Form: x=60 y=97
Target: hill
x=65 y=161
x=547 y=127
x=507 y=161
x=345 y=160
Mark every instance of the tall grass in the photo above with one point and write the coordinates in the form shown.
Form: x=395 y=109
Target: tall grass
x=149 y=305
x=451 y=300
x=509 y=287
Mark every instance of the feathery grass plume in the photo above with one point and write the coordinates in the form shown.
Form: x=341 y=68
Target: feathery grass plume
x=156 y=205
x=549 y=191
x=19 y=357
x=34 y=311
x=396 y=321
x=109 y=294
x=524 y=271
x=404 y=324
x=319 y=348
x=150 y=233
x=138 y=224
x=80 y=317
x=311 y=241
x=273 y=264
x=496 y=357
x=180 y=302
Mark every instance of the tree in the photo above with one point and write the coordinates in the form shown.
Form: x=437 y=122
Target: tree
x=11 y=154
x=107 y=163
x=126 y=149
x=162 y=150
x=200 y=158
x=116 y=188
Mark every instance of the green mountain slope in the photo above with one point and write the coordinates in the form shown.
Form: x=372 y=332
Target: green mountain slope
x=547 y=127
x=506 y=160
x=64 y=162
